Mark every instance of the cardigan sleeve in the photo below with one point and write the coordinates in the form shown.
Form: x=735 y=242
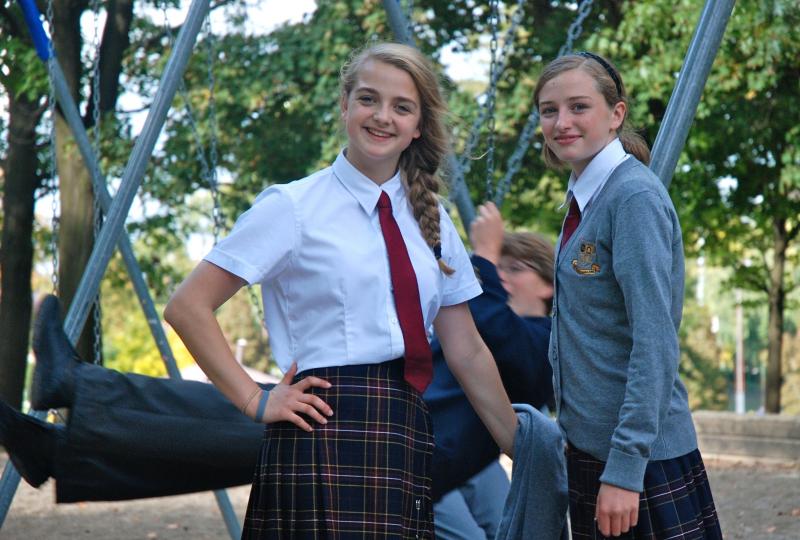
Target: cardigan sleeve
x=642 y=259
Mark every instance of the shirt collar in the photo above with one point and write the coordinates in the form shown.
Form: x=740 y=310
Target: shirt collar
x=363 y=189
x=595 y=174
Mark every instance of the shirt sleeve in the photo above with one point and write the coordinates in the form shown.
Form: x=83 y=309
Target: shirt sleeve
x=642 y=261
x=462 y=285
x=263 y=240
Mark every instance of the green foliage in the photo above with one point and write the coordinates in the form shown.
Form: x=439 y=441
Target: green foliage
x=276 y=103
x=738 y=182
x=128 y=344
x=30 y=82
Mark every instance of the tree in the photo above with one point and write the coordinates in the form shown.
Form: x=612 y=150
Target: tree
x=21 y=178
x=26 y=87
x=737 y=187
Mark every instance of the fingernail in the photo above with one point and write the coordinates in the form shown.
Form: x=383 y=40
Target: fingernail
x=330 y=412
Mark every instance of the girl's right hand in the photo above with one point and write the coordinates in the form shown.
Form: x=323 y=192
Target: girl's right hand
x=287 y=400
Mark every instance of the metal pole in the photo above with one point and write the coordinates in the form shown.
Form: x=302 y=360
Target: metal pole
x=459 y=193
x=686 y=94
x=70 y=110
x=398 y=22
x=134 y=170
x=738 y=372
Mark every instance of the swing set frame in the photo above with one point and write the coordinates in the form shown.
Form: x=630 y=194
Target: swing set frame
x=671 y=137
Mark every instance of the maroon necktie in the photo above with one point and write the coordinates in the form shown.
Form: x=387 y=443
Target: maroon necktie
x=418 y=358
x=571 y=221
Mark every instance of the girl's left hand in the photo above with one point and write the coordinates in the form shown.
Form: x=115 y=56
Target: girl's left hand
x=287 y=401
x=617 y=510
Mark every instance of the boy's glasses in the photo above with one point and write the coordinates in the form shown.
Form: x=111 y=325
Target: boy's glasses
x=515 y=267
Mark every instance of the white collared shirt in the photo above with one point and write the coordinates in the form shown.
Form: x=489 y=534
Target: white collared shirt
x=316 y=247
x=595 y=175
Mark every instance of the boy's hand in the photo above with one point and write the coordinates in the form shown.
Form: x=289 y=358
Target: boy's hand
x=486 y=233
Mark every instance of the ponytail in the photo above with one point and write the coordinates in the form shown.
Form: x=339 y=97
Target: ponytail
x=634 y=144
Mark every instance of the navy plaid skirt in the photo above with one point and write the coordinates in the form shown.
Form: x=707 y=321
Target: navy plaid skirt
x=676 y=503
x=365 y=474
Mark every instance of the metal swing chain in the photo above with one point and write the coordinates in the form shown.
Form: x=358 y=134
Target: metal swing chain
x=210 y=169
x=528 y=131
x=576 y=27
x=213 y=183
x=51 y=97
x=465 y=161
x=97 y=210
x=205 y=169
x=494 y=21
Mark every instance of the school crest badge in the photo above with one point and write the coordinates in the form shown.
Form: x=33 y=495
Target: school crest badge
x=586 y=263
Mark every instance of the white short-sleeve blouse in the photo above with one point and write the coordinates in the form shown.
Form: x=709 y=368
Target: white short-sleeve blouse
x=316 y=248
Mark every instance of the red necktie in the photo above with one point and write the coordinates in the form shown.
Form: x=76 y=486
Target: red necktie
x=571 y=221
x=418 y=358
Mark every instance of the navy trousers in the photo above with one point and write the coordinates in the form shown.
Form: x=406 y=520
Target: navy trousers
x=151 y=437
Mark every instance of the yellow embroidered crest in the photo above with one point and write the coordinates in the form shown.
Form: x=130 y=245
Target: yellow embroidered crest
x=585 y=263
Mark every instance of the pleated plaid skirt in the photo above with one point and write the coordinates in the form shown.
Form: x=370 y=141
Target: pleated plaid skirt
x=676 y=503
x=365 y=474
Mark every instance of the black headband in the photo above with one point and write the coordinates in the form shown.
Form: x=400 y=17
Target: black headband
x=611 y=72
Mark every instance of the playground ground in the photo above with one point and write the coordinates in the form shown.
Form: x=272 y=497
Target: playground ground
x=755 y=500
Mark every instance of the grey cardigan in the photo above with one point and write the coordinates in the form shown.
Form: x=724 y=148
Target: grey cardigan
x=614 y=340
x=536 y=506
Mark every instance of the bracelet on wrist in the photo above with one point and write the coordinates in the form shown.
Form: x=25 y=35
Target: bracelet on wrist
x=246 y=403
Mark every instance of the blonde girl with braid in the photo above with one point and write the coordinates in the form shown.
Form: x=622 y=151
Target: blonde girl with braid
x=358 y=263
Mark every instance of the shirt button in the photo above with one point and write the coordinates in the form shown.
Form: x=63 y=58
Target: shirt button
x=394 y=320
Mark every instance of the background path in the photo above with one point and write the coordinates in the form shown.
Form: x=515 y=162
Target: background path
x=755 y=501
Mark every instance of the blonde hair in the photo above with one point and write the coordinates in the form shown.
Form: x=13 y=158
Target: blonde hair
x=533 y=250
x=609 y=83
x=419 y=163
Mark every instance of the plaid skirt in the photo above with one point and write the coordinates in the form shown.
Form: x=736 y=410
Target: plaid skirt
x=365 y=474
x=676 y=503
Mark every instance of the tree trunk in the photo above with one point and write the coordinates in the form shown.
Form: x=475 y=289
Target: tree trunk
x=76 y=221
x=777 y=297
x=16 y=253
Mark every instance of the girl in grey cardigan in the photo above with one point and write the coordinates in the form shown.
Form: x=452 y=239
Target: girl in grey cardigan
x=632 y=460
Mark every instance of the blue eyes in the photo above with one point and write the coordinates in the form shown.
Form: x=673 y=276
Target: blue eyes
x=575 y=108
x=368 y=100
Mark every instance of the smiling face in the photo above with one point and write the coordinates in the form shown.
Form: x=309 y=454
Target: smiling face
x=577 y=122
x=381 y=115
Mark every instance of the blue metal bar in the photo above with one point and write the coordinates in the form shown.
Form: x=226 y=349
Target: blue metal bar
x=34 y=21
x=686 y=95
